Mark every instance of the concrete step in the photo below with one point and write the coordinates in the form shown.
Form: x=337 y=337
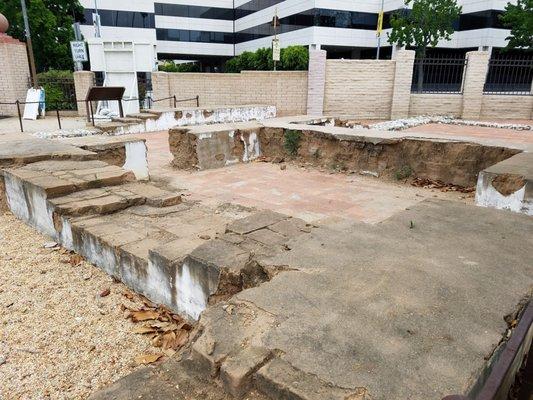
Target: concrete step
x=144 y=115
x=114 y=127
x=127 y=120
x=173 y=379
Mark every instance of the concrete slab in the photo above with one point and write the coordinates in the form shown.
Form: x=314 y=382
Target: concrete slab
x=20 y=149
x=409 y=308
x=508 y=185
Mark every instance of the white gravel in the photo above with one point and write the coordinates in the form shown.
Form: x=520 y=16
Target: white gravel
x=58 y=338
x=401 y=124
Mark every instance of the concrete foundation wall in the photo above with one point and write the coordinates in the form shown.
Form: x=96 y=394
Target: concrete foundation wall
x=363 y=88
x=14 y=74
x=519 y=107
x=287 y=90
x=436 y=104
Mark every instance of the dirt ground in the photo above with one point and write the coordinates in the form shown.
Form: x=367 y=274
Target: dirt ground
x=59 y=338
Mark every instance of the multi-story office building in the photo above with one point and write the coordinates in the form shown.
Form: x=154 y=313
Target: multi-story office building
x=213 y=30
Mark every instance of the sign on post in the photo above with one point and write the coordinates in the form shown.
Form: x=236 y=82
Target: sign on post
x=276 y=50
x=79 y=51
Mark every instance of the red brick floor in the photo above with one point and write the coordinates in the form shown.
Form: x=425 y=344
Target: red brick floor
x=305 y=193
x=510 y=135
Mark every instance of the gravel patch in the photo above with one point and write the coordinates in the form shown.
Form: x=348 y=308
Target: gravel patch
x=61 y=335
x=402 y=124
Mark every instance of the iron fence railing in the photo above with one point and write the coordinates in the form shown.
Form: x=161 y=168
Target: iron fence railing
x=62 y=91
x=438 y=75
x=57 y=106
x=510 y=76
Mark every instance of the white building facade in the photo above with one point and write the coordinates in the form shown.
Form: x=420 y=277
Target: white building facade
x=219 y=29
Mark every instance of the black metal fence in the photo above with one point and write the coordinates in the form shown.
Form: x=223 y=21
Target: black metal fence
x=511 y=76
x=61 y=92
x=438 y=75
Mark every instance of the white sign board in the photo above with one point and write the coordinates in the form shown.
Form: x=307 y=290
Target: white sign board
x=79 y=52
x=276 y=50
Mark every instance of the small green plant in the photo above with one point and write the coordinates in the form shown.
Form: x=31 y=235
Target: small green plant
x=292 y=141
x=403 y=173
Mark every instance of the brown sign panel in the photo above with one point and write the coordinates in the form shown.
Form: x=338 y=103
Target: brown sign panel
x=105 y=93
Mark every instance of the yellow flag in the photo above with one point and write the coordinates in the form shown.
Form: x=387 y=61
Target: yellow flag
x=380 y=23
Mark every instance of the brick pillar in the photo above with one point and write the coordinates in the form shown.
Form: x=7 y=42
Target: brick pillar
x=161 y=89
x=474 y=81
x=83 y=80
x=14 y=73
x=316 y=82
x=403 y=77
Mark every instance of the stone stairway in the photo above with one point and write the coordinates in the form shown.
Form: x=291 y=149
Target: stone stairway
x=177 y=253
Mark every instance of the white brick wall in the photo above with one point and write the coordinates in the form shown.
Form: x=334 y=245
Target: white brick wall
x=474 y=81
x=83 y=80
x=362 y=88
x=317 y=82
x=14 y=75
x=287 y=90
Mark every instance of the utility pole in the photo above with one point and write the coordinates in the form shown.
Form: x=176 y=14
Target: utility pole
x=33 y=71
x=275 y=42
x=380 y=28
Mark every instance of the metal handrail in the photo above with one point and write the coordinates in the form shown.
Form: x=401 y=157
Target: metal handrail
x=58 y=103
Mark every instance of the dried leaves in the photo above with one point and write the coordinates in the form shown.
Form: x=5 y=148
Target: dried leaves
x=166 y=330
x=147 y=358
x=444 y=187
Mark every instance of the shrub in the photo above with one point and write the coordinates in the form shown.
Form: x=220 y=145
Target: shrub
x=168 y=66
x=59 y=89
x=403 y=173
x=263 y=60
x=188 y=67
x=292 y=141
x=293 y=58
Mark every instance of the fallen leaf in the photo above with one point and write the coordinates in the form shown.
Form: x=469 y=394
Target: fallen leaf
x=168 y=340
x=75 y=260
x=181 y=338
x=50 y=245
x=128 y=295
x=141 y=330
x=105 y=292
x=145 y=359
x=144 y=315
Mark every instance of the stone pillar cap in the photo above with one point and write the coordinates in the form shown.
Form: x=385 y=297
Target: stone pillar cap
x=4 y=24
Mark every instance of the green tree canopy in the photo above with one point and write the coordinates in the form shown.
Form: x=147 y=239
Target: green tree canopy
x=51 y=29
x=293 y=58
x=519 y=18
x=425 y=24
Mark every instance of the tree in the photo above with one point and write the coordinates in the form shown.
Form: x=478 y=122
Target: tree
x=51 y=28
x=423 y=26
x=519 y=18
x=293 y=58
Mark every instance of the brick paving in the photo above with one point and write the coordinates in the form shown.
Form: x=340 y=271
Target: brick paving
x=511 y=135
x=309 y=194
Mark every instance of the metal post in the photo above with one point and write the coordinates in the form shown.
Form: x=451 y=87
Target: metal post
x=121 y=110
x=379 y=30
x=175 y=102
x=97 y=32
x=29 y=44
x=20 y=115
x=197 y=100
x=92 y=112
x=58 y=119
